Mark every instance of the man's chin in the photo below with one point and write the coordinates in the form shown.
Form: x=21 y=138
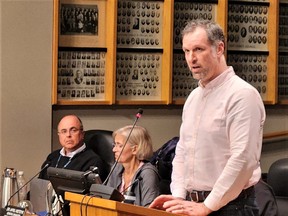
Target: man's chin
x=70 y=148
x=197 y=76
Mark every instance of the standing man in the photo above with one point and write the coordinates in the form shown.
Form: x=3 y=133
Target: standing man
x=217 y=157
x=73 y=155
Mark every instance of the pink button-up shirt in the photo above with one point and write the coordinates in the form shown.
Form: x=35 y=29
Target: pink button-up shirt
x=220 y=140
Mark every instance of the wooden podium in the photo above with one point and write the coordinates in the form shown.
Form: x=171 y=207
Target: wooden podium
x=92 y=206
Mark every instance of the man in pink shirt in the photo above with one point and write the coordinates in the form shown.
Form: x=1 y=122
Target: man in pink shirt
x=217 y=157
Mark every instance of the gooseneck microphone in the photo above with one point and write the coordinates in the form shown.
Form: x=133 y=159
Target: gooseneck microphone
x=128 y=192
x=46 y=165
x=138 y=115
x=93 y=170
x=131 y=186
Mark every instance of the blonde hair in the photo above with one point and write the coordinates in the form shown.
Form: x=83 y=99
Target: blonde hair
x=139 y=137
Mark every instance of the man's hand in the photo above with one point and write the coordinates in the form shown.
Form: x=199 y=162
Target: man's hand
x=179 y=206
x=160 y=201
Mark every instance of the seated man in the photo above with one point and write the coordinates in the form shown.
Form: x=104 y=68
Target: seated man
x=73 y=155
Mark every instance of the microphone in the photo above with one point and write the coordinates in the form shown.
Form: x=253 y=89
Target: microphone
x=138 y=115
x=46 y=165
x=130 y=187
x=93 y=170
x=128 y=192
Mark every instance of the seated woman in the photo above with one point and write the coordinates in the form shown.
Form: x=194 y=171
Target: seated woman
x=133 y=174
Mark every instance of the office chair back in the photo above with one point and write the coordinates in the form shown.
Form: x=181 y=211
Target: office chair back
x=162 y=159
x=101 y=142
x=277 y=178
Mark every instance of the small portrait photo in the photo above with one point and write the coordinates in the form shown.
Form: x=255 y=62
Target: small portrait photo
x=79 y=77
x=136 y=23
x=135 y=75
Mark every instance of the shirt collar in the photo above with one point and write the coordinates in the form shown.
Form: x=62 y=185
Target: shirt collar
x=219 y=80
x=72 y=154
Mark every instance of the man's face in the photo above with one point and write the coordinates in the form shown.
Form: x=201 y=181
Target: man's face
x=70 y=133
x=202 y=58
x=79 y=74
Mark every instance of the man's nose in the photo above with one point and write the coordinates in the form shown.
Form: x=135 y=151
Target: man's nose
x=68 y=133
x=190 y=56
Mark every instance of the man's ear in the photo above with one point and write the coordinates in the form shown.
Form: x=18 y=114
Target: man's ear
x=83 y=134
x=220 y=48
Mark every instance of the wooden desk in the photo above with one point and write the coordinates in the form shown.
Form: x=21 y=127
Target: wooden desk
x=97 y=206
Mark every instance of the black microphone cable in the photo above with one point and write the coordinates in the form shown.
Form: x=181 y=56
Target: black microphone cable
x=82 y=203
x=92 y=170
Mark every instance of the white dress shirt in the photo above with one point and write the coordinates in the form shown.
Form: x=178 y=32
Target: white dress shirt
x=220 y=140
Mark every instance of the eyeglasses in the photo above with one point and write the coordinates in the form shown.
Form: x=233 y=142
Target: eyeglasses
x=117 y=145
x=71 y=131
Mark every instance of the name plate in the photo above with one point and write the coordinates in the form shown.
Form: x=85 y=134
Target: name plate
x=14 y=211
